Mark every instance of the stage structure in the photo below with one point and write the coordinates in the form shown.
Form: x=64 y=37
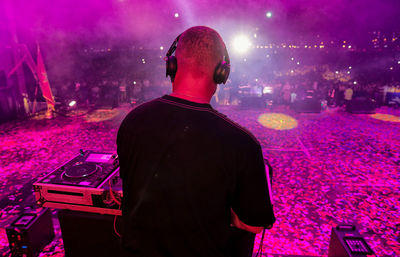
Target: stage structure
x=14 y=100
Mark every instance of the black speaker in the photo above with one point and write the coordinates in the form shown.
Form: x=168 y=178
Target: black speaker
x=252 y=102
x=361 y=105
x=346 y=241
x=308 y=105
x=30 y=232
x=88 y=234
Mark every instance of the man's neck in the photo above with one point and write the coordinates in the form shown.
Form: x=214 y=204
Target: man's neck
x=192 y=98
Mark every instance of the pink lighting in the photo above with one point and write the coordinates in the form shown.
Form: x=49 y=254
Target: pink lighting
x=104 y=58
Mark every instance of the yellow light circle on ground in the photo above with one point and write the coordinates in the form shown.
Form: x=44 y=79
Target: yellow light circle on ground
x=278 y=121
x=101 y=115
x=385 y=117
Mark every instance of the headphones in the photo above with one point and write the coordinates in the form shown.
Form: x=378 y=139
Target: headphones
x=221 y=72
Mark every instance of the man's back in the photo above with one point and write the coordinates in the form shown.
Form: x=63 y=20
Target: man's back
x=184 y=166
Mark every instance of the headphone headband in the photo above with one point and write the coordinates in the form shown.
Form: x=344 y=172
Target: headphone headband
x=172 y=48
x=221 y=72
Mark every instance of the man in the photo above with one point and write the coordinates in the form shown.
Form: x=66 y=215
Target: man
x=348 y=95
x=184 y=166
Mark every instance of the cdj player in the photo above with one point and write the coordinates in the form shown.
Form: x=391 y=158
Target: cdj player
x=89 y=182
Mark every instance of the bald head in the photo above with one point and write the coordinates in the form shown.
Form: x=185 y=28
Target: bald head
x=199 y=51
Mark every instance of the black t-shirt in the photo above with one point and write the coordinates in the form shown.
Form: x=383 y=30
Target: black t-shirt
x=184 y=166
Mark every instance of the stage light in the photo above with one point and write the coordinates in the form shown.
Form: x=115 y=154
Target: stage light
x=176 y=15
x=267 y=90
x=134 y=82
x=337 y=72
x=391 y=68
x=298 y=63
x=241 y=44
x=72 y=103
x=161 y=48
x=277 y=121
x=398 y=62
x=355 y=82
x=350 y=67
x=292 y=59
x=348 y=72
x=268 y=14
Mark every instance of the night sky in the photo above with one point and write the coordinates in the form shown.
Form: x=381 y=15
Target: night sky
x=154 y=21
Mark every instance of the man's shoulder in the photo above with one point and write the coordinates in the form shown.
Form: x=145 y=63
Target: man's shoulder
x=235 y=129
x=145 y=107
x=140 y=112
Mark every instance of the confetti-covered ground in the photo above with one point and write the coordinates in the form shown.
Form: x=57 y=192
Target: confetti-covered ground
x=329 y=168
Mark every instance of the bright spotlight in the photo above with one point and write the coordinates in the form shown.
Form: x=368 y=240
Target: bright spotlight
x=176 y=15
x=268 y=14
x=267 y=90
x=241 y=44
x=72 y=103
x=161 y=48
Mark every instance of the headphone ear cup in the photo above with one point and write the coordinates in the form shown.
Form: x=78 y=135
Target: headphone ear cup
x=221 y=73
x=171 y=67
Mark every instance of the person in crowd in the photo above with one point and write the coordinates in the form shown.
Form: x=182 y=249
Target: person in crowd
x=348 y=94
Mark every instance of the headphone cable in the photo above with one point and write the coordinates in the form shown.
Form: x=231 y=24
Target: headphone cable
x=260 y=249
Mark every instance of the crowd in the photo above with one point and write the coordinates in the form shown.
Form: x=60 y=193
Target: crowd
x=113 y=92
x=286 y=93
